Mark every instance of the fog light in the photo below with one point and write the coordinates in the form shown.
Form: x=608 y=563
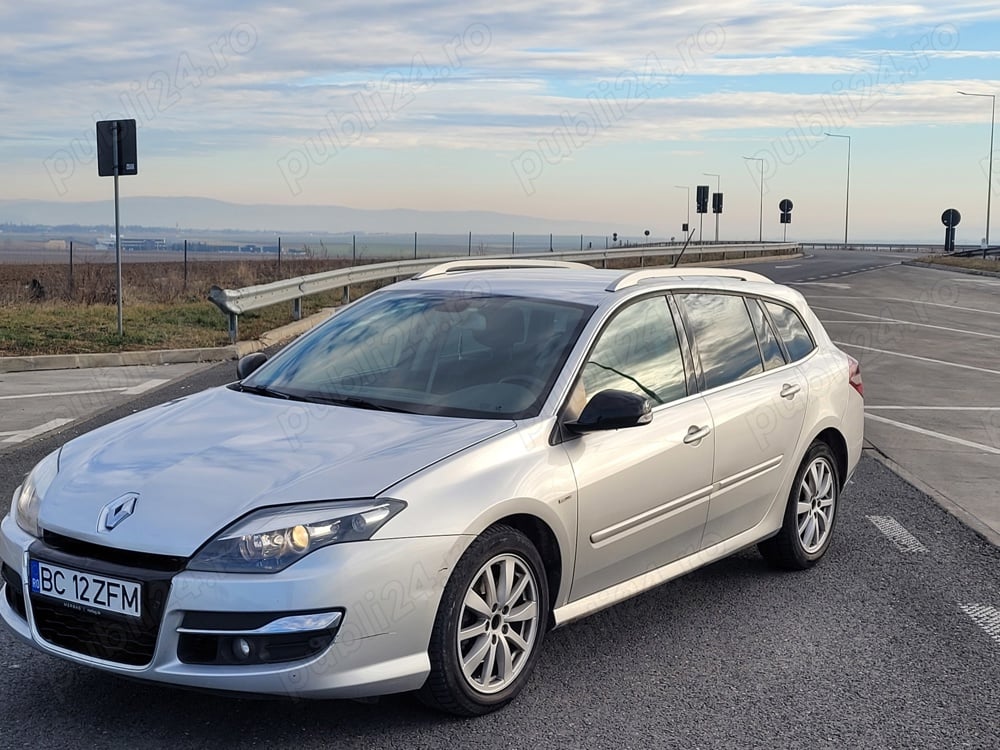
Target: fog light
x=241 y=648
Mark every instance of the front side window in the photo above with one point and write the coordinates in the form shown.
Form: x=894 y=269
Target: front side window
x=448 y=354
x=724 y=336
x=638 y=351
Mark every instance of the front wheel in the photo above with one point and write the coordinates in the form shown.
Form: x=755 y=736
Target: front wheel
x=489 y=626
x=810 y=514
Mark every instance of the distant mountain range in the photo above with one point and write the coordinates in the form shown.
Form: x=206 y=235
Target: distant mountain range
x=208 y=214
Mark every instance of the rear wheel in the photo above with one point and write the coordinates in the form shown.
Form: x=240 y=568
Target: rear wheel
x=489 y=627
x=810 y=514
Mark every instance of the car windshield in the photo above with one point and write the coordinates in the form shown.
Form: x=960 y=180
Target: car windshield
x=447 y=354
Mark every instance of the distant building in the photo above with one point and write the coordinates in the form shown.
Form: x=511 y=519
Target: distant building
x=132 y=243
x=56 y=245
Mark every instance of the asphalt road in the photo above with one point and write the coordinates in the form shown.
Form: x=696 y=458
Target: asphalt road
x=892 y=642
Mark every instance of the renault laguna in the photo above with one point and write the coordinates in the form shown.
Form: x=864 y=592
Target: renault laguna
x=410 y=496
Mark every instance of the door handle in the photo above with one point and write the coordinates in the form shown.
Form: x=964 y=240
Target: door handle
x=696 y=434
x=788 y=390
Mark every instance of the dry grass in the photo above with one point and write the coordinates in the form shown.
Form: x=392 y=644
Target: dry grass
x=44 y=311
x=160 y=310
x=980 y=264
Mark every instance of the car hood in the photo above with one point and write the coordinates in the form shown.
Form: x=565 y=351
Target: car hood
x=199 y=463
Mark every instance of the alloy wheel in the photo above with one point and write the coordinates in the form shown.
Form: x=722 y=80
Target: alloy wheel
x=499 y=623
x=816 y=505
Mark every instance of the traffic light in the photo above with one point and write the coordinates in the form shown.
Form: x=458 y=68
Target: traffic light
x=701 y=200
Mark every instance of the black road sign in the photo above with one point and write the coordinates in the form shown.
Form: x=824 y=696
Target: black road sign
x=716 y=203
x=127 y=164
x=785 y=206
x=951 y=218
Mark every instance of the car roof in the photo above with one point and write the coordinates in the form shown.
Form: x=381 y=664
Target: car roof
x=576 y=282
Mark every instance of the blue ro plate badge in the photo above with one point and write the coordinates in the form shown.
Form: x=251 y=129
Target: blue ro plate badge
x=86 y=589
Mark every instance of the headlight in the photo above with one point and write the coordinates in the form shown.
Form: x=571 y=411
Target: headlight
x=270 y=540
x=32 y=490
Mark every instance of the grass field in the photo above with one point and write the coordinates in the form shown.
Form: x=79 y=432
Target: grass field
x=42 y=312
x=980 y=264
x=45 y=311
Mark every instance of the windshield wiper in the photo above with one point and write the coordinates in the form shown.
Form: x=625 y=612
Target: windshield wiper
x=357 y=403
x=262 y=390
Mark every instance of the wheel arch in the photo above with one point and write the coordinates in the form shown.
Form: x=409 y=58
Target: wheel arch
x=837 y=443
x=547 y=544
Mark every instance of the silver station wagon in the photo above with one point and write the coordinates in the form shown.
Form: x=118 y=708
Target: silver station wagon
x=411 y=495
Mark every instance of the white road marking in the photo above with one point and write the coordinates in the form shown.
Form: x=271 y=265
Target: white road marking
x=901 y=299
x=922 y=359
x=20 y=437
x=790 y=265
x=986 y=617
x=135 y=390
x=937 y=435
x=897 y=534
x=54 y=394
x=937 y=408
x=828 y=284
x=881 y=318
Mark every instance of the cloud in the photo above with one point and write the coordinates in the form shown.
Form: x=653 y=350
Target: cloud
x=256 y=77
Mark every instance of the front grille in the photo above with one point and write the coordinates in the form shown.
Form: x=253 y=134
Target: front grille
x=94 y=632
x=14 y=590
x=128 y=558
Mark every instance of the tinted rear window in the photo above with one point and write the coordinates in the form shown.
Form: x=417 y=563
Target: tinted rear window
x=791 y=330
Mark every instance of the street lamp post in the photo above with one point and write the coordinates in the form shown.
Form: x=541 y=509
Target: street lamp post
x=688 y=204
x=989 y=174
x=847 y=199
x=760 y=237
x=718 y=189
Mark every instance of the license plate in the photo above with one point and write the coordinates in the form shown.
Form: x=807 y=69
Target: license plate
x=86 y=589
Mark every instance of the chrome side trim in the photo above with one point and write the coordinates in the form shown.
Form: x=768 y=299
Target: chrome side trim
x=281 y=626
x=628 y=524
x=752 y=473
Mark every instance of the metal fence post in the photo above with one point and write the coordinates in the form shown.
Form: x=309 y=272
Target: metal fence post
x=234 y=327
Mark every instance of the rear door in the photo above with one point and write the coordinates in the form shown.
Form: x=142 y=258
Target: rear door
x=757 y=401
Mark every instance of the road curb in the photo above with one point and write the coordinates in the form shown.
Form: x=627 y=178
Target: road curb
x=979 y=527
x=162 y=356
x=956 y=269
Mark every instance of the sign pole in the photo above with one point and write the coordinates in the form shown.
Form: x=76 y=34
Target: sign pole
x=118 y=246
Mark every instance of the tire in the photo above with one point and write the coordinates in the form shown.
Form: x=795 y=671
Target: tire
x=810 y=515
x=497 y=635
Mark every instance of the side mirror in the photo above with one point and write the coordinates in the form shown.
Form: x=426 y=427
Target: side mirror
x=249 y=363
x=613 y=410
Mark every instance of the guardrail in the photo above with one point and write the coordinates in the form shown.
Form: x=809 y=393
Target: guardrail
x=235 y=302
x=879 y=247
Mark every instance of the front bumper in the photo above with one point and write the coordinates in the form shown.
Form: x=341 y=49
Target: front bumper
x=388 y=590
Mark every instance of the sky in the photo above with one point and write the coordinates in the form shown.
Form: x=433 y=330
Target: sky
x=574 y=110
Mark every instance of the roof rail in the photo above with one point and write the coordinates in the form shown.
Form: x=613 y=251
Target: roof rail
x=496 y=263
x=634 y=277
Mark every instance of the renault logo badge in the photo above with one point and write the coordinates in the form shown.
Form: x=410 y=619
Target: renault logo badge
x=117 y=511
